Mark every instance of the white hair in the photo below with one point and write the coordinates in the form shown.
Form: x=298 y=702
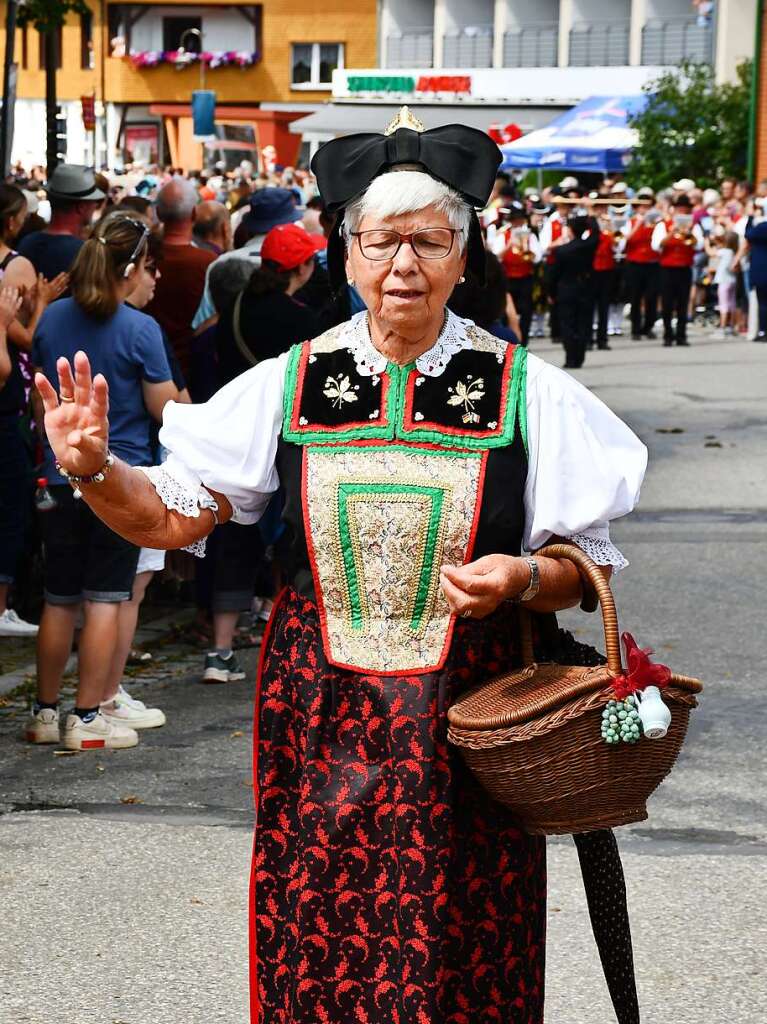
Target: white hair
x=408 y=191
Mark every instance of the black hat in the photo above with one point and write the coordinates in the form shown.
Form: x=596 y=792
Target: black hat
x=75 y=183
x=515 y=210
x=465 y=159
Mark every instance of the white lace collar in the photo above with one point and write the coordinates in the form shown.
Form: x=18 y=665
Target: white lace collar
x=369 y=361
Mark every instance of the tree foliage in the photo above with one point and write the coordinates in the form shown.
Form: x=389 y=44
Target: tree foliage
x=692 y=128
x=48 y=15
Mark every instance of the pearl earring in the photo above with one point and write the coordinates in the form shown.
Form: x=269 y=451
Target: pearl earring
x=351 y=281
x=461 y=279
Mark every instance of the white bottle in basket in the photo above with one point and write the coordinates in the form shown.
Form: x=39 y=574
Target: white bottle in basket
x=653 y=713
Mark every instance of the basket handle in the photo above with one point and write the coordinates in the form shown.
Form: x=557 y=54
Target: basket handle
x=591 y=571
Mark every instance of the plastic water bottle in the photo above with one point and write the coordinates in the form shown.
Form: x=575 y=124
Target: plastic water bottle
x=44 y=500
x=653 y=713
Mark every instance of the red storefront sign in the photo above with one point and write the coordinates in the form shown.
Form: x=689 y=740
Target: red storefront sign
x=444 y=83
x=503 y=133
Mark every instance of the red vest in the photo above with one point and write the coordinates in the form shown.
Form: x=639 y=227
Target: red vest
x=638 y=247
x=556 y=232
x=517 y=264
x=604 y=256
x=677 y=252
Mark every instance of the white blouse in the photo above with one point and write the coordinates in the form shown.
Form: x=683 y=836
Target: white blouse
x=585 y=466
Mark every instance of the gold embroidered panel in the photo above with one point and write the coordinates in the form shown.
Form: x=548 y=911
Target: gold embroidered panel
x=381 y=519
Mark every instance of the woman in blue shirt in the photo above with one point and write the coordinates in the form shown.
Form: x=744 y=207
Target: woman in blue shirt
x=86 y=564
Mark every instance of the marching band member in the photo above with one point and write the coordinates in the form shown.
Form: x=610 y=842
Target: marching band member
x=642 y=264
x=519 y=254
x=677 y=240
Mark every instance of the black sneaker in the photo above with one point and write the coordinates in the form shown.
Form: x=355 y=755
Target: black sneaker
x=222 y=670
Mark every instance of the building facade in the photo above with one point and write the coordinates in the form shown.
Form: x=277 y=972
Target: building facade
x=524 y=61
x=268 y=63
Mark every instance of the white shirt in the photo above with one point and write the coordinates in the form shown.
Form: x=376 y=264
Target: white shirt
x=502 y=239
x=545 y=236
x=660 y=231
x=585 y=466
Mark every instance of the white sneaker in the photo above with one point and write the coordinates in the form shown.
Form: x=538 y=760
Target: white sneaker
x=43 y=727
x=12 y=625
x=126 y=710
x=97 y=734
x=261 y=608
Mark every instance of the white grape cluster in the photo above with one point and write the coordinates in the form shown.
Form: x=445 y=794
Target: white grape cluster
x=621 y=722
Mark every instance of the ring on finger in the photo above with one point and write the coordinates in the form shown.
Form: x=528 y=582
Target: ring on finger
x=467 y=613
x=66 y=398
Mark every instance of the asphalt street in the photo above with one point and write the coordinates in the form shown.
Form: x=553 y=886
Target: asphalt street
x=123 y=874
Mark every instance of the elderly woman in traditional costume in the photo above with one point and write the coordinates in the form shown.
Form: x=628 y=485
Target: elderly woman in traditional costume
x=420 y=458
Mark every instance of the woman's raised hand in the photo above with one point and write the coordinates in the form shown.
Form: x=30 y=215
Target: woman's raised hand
x=77 y=426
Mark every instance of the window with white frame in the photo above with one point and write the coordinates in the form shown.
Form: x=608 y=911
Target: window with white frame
x=313 y=64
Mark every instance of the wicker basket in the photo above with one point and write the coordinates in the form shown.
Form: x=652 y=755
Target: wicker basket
x=532 y=737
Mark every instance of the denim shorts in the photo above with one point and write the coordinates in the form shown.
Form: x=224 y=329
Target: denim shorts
x=84 y=559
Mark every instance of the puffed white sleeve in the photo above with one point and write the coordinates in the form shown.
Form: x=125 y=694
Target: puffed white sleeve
x=228 y=445
x=585 y=466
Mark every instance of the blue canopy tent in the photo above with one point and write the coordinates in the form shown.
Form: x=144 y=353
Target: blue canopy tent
x=593 y=136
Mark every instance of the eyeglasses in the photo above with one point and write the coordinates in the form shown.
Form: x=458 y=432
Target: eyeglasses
x=428 y=243
x=145 y=233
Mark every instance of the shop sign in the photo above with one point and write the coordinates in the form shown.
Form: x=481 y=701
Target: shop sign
x=409 y=84
x=504 y=133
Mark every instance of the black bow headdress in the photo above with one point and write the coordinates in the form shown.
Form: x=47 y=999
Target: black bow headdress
x=463 y=158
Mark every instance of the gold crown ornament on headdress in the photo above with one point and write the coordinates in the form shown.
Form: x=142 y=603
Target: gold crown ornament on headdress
x=405 y=119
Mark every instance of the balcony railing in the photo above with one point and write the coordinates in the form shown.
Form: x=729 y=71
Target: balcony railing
x=532 y=46
x=469 y=47
x=411 y=49
x=670 y=40
x=599 y=43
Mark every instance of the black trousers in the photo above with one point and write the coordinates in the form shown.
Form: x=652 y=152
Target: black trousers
x=642 y=287
x=761 y=298
x=521 y=291
x=575 y=301
x=603 y=291
x=555 y=328
x=14 y=495
x=675 y=283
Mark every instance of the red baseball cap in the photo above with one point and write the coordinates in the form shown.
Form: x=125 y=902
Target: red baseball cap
x=288 y=245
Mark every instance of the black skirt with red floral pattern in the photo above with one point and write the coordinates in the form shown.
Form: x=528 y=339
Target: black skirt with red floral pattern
x=387 y=886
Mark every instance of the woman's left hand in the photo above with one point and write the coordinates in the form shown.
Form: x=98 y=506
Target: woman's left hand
x=475 y=590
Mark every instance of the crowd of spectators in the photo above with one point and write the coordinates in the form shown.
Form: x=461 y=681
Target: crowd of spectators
x=175 y=284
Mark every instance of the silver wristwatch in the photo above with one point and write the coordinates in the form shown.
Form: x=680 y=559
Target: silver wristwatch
x=533 y=586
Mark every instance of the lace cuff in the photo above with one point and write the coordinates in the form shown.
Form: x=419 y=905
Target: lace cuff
x=599 y=548
x=178 y=498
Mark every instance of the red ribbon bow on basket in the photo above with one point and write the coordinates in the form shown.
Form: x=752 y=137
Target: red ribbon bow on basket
x=640 y=671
